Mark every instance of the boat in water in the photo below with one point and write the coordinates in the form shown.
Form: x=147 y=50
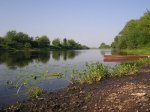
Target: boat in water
x=122 y=58
x=125 y=56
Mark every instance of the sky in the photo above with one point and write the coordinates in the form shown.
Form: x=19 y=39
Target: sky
x=89 y=22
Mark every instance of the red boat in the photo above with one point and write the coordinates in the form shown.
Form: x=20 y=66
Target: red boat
x=124 y=56
x=116 y=60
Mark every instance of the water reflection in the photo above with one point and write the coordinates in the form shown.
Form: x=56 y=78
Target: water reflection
x=117 y=52
x=22 y=59
x=41 y=68
x=105 y=51
x=112 y=52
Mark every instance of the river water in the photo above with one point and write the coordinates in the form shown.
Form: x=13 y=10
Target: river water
x=30 y=68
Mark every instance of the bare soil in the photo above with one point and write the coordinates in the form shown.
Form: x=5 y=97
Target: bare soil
x=115 y=94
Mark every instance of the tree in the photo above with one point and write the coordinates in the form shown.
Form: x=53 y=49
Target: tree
x=19 y=40
x=104 y=46
x=56 y=42
x=135 y=34
x=16 y=40
x=1 y=43
x=65 y=43
x=71 y=43
x=43 y=41
x=27 y=45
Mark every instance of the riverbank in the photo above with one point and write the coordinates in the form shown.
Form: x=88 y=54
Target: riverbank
x=39 y=49
x=126 y=93
x=142 y=51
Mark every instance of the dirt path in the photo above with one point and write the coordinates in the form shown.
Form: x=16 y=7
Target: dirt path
x=124 y=94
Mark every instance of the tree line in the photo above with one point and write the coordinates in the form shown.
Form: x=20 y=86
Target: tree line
x=104 y=46
x=135 y=34
x=20 y=40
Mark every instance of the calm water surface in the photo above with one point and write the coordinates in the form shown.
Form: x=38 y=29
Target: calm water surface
x=19 y=67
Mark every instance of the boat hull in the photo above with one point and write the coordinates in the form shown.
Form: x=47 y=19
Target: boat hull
x=124 y=56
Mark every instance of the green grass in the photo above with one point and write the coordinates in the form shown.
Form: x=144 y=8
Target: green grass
x=92 y=72
x=124 y=69
x=95 y=72
x=129 y=68
x=142 y=51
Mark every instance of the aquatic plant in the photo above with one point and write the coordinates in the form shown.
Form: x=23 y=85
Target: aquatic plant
x=31 y=80
x=34 y=92
x=92 y=72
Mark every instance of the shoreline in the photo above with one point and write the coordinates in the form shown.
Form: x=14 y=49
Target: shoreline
x=125 y=93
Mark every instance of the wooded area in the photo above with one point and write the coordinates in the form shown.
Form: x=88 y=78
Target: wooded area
x=135 y=34
x=19 y=40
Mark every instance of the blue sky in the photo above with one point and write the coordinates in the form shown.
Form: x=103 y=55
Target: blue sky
x=88 y=21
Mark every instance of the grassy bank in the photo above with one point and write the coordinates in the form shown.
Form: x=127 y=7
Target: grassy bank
x=97 y=71
x=142 y=51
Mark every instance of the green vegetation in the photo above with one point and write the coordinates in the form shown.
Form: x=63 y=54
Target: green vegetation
x=135 y=35
x=92 y=72
x=95 y=72
x=34 y=92
x=17 y=107
x=20 y=41
x=104 y=46
x=129 y=68
x=67 y=44
x=143 y=51
x=124 y=69
x=29 y=81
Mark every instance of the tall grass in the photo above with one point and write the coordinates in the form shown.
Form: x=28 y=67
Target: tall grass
x=143 y=51
x=92 y=72
x=129 y=68
x=124 y=69
x=96 y=71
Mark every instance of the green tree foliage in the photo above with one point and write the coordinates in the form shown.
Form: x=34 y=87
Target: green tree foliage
x=104 y=46
x=43 y=41
x=1 y=43
x=56 y=42
x=27 y=45
x=135 y=34
x=16 y=40
x=19 y=40
x=65 y=43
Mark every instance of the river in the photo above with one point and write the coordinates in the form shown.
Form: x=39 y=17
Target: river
x=17 y=68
